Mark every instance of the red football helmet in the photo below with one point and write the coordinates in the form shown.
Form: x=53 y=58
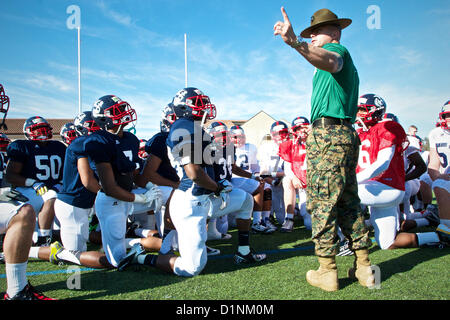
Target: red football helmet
x=37 y=128
x=444 y=116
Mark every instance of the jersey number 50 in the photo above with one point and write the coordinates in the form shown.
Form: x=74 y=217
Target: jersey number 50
x=50 y=166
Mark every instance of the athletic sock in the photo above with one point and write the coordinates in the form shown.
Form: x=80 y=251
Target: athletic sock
x=427 y=237
x=141 y=232
x=130 y=242
x=266 y=215
x=256 y=217
x=16 y=277
x=290 y=216
x=147 y=259
x=34 y=253
x=243 y=242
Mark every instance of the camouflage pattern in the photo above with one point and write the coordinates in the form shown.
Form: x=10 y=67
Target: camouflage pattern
x=332 y=192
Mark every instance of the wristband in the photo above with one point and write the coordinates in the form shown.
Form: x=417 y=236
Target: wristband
x=298 y=42
x=29 y=182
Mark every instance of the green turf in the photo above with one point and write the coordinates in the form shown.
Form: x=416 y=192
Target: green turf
x=406 y=274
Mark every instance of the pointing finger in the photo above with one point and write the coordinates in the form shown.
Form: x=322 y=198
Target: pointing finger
x=285 y=16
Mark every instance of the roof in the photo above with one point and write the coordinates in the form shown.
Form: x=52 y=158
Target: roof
x=15 y=127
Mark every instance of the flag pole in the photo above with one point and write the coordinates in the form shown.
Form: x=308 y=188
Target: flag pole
x=79 y=70
x=185 y=61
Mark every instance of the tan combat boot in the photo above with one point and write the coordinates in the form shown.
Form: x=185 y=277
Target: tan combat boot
x=362 y=269
x=326 y=277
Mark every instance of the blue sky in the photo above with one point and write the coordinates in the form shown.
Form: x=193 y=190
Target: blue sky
x=135 y=50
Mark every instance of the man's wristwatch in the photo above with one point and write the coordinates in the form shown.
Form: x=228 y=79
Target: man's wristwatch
x=298 y=42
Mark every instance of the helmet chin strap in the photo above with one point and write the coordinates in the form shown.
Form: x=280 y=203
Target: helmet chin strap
x=204 y=119
x=363 y=125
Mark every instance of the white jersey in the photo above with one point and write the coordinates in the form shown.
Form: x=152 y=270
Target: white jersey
x=440 y=140
x=269 y=160
x=246 y=158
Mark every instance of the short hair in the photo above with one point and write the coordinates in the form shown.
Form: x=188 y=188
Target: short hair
x=413 y=126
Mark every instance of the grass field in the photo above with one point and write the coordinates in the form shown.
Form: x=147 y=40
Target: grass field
x=406 y=274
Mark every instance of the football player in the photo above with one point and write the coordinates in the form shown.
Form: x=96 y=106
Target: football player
x=246 y=159
x=381 y=174
x=293 y=152
x=158 y=170
x=35 y=168
x=115 y=155
x=17 y=221
x=439 y=169
x=271 y=167
x=68 y=133
x=74 y=204
x=225 y=167
x=199 y=196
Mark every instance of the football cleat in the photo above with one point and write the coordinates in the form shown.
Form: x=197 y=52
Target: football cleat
x=28 y=293
x=136 y=250
x=249 y=258
x=432 y=215
x=288 y=225
x=131 y=227
x=260 y=228
x=43 y=241
x=344 y=249
x=55 y=248
x=443 y=233
x=212 y=251
x=268 y=224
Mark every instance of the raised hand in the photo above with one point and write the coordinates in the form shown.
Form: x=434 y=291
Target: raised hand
x=284 y=29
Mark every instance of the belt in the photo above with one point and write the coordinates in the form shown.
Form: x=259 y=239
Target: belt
x=328 y=121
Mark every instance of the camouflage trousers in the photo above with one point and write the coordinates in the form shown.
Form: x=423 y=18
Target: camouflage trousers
x=332 y=191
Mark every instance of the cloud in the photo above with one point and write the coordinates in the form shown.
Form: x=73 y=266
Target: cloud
x=117 y=17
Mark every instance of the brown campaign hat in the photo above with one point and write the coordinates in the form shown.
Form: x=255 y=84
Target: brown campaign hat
x=322 y=17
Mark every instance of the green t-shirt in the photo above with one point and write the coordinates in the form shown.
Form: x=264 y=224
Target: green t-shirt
x=336 y=94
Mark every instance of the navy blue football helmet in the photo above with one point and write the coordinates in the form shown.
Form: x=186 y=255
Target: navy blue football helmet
x=37 y=128
x=300 y=122
x=110 y=111
x=237 y=136
x=373 y=107
x=444 y=114
x=68 y=133
x=390 y=116
x=193 y=104
x=279 y=131
x=167 y=118
x=219 y=132
x=85 y=124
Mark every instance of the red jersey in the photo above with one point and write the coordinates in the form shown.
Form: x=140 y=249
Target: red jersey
x=384 y=135
x=295 y=154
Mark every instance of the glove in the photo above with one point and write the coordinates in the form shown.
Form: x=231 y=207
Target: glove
x=151 y=195
x=40 y=188
x=8 y=194
x=224 y=187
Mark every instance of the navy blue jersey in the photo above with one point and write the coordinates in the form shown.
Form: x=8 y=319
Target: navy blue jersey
x=73 y=191
x=43 y=163
x=224 y=158
x=188 y=143
x=122 y=153
x=157 y=147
